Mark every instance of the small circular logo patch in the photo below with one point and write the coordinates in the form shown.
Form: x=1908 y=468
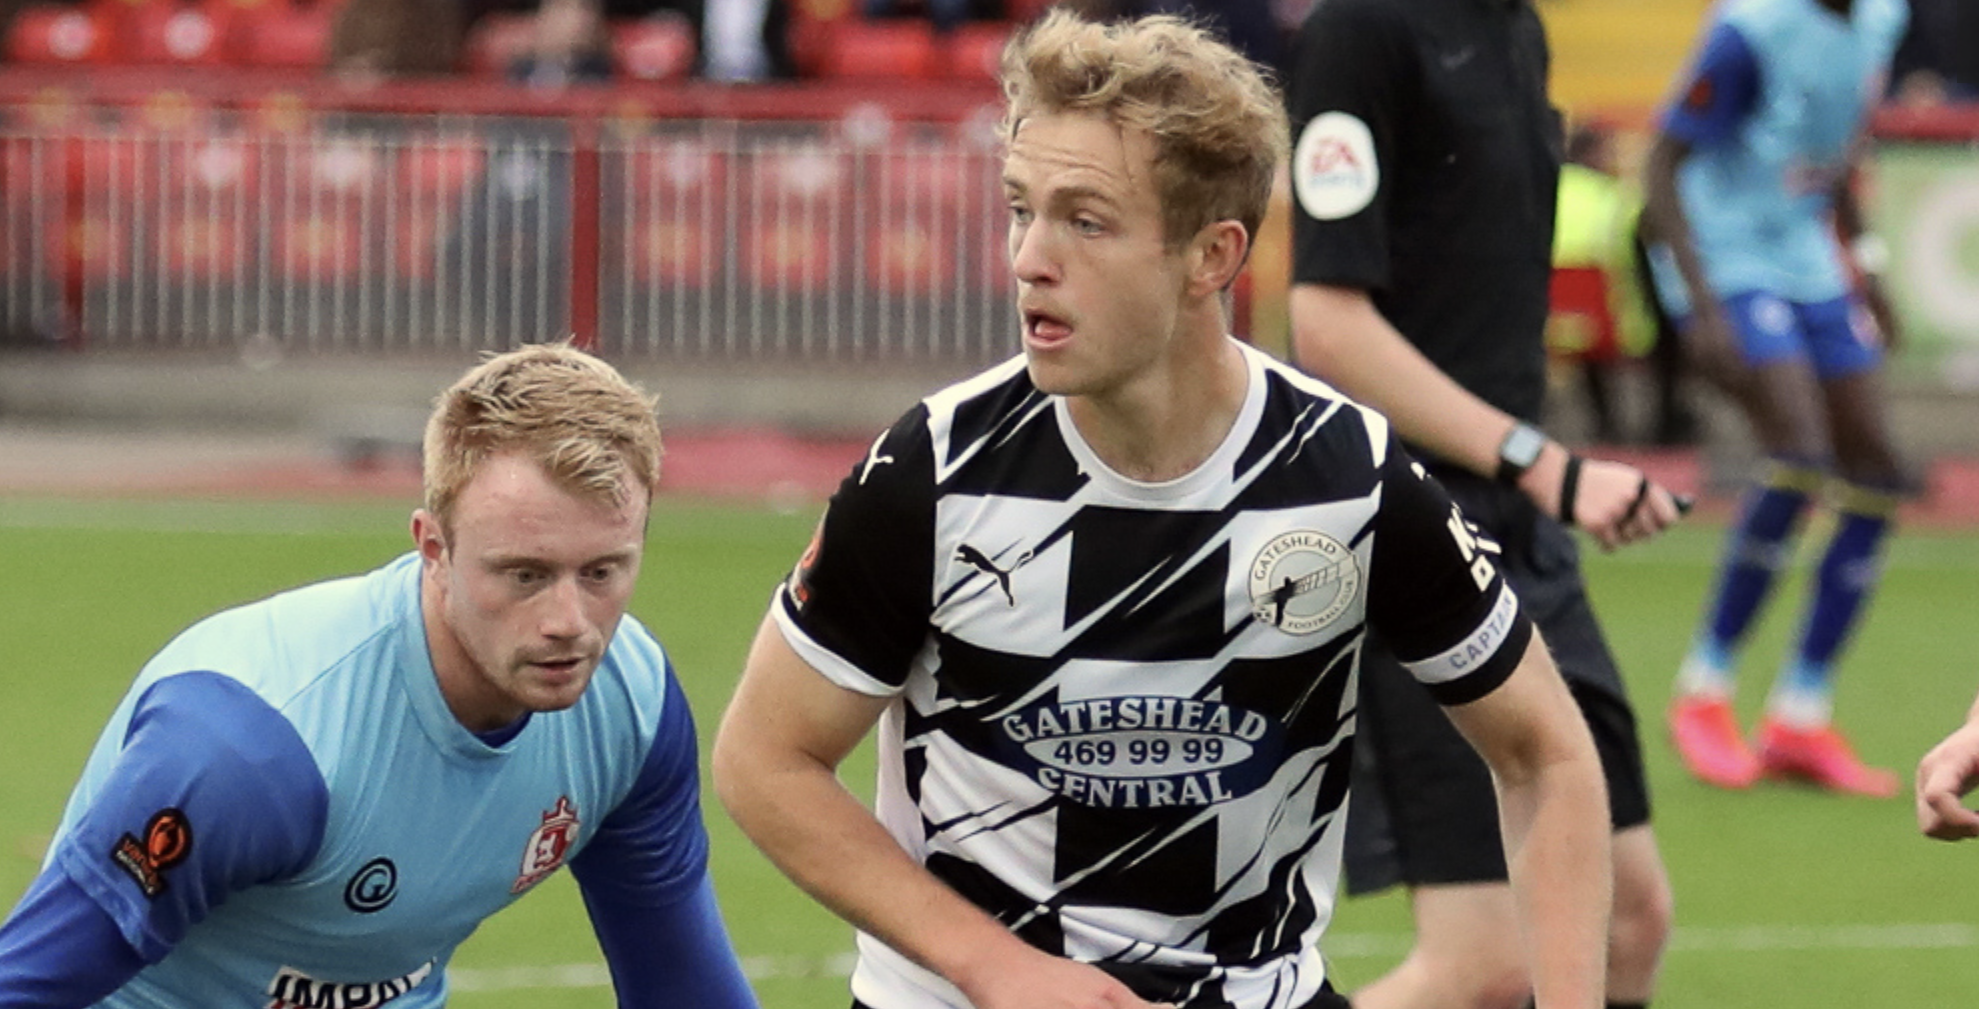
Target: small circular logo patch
x=1772 y=316
x=1302 y=581
x=1334 y=171
x=167 y=839
x=373 y=887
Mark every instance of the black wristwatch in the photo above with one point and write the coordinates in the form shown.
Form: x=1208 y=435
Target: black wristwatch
x=1519 y=451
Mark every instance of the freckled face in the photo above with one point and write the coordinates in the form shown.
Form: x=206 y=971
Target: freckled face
x=1099 y=289
x=525 y=593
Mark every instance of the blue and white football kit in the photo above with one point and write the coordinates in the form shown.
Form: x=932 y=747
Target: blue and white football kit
x=1772 y=109
x=284 y=812
x=1771 y=116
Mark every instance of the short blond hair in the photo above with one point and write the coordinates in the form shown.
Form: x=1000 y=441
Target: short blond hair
x=1217 y=121
x=593 y=431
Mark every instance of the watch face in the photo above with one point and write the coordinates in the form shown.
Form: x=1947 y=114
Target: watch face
x=1522 y=446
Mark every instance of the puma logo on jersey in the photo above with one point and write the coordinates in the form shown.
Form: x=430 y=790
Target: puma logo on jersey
x=976 y=559
x=874 y=458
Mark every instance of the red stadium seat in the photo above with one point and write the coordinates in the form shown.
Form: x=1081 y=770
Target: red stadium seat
x=799 y=204
x=926 y=195
x=97 y=243
x=315 y=213
x=284 y=36
x=203 y=244
x=218 y=171
x=1023 y=11
x=975 y=50
x=789 y=255
x=496 y=40
x=59 y=33
x=433 y=176
x=1581 y=324
x=675 y=191
x=910 y=255
x=656 y=48
x=811 y=23
x=880 y=50
x=118 y=168
x=934 y=180
x=163 y=33
x=324 y=244
x=673 y=252
x=419 y=235
x=33 y=170
x=440 y=167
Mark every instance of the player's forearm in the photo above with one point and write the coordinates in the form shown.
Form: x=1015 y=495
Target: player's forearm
x=832 y=847
x=1668 y=224
x=1557 y=849
x=60 y=950
x=1343 y=339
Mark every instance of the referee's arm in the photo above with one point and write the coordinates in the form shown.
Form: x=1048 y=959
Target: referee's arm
x=1339 y=335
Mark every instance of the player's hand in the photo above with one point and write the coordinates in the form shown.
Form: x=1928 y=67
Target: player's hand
x=1878 y=301
x=1618 y=504
x=1944 y=777
x=1712 y=351
x=1050 y=982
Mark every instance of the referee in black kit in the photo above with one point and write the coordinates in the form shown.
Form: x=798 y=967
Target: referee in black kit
x=1423 y=178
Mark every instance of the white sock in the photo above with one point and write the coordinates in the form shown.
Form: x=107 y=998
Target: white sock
x=1705 y=674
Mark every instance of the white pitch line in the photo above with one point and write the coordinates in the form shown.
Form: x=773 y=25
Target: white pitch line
x=1344 y=946
x=1760 y=938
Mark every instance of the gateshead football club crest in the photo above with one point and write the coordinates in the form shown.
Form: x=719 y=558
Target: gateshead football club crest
x=546 y=849
x=1302 y=581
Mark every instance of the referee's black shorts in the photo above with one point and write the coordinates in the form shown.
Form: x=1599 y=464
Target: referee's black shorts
x=1423 y=810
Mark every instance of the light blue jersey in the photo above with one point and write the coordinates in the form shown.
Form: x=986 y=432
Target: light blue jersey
x=1771 y=107
x=284 y=812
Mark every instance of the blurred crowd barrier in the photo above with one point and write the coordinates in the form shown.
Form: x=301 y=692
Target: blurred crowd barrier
x=853 y=221
x=796 y=223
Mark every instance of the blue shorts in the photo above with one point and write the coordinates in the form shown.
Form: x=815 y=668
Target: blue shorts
x=1838 y=337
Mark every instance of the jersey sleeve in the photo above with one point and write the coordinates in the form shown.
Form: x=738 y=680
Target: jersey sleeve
x=1346 y=95
x=1718 y=92
x=213 y=791
x=1436 y=593
x=55 y=930
x=645 y=882
x=858 y=604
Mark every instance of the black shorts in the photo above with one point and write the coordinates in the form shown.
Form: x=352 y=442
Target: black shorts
x=1423 y=810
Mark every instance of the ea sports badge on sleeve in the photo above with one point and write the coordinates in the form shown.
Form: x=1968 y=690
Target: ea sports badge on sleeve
x=1334 y=171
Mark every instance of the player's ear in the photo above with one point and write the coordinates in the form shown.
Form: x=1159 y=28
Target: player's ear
x=427 y=537
x=1216 y=254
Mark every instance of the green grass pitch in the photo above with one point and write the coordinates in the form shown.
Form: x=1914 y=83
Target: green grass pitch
x=1785 y=897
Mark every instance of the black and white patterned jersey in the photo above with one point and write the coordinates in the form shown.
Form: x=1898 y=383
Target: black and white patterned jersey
x=1125 y=710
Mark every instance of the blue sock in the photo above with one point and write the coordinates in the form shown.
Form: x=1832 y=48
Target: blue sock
x=1759 y=547
x=1842 y=585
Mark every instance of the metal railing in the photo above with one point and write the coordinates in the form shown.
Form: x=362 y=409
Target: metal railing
x=853 y=239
